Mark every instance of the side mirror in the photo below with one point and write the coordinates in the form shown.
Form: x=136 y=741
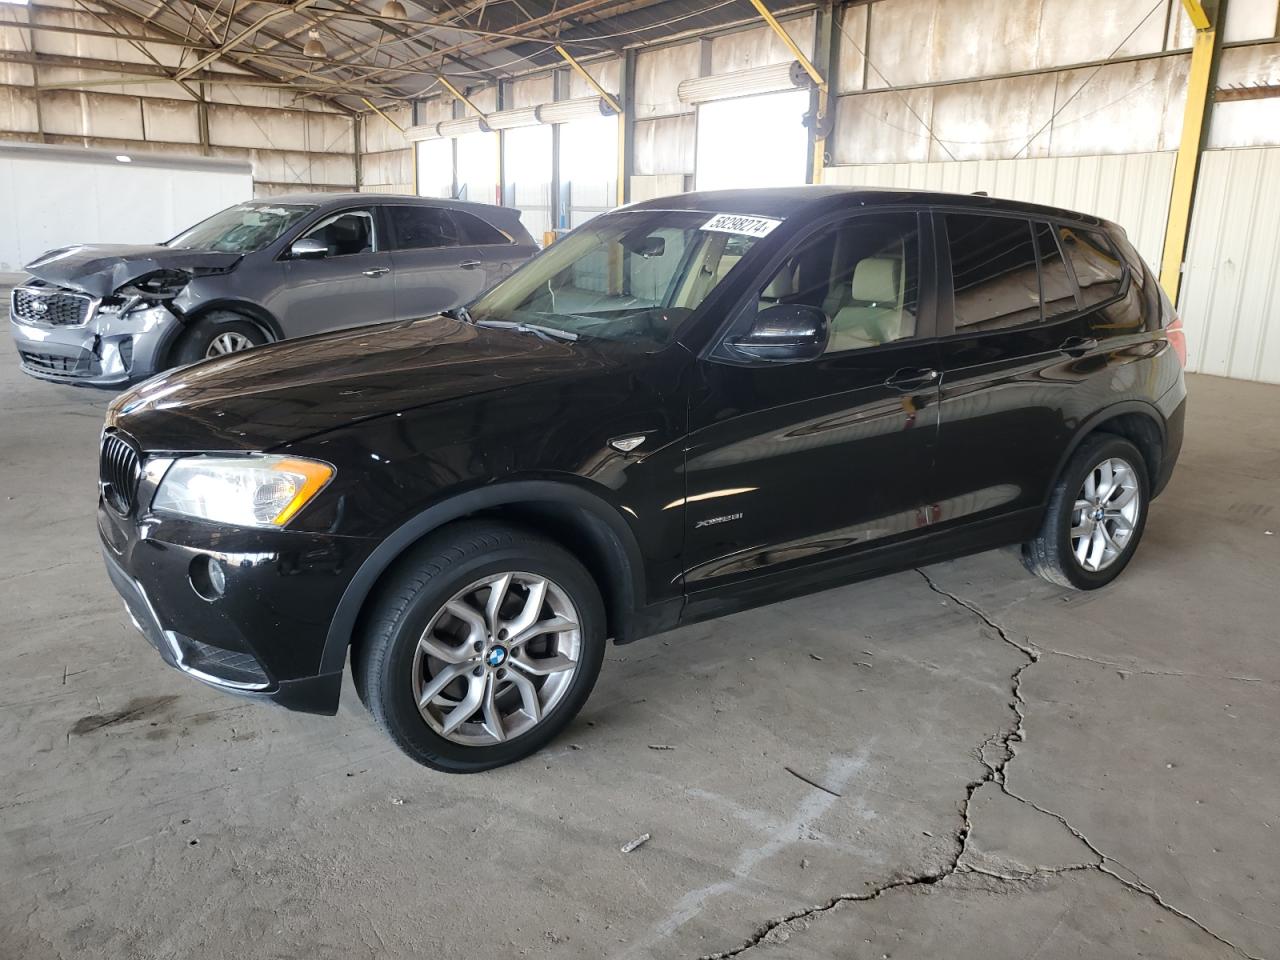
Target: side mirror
x=785 y=333
x=308 y=248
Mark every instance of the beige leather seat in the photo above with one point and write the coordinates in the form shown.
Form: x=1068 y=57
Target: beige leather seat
x=872 y=315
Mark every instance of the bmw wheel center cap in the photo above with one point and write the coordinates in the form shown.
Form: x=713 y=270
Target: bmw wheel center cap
x=496 y=656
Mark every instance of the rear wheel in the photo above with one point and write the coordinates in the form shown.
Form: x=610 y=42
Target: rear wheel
x=1095 y=517
x=216 y=334
x=482 y=647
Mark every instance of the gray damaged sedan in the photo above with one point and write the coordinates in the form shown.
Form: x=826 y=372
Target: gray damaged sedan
x=256 y=273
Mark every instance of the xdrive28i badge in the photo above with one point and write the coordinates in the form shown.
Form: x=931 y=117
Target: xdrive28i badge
x=712 y=521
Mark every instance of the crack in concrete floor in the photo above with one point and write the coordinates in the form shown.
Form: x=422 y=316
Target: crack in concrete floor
x=995 y=768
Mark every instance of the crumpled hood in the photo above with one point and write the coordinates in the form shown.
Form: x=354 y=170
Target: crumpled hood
x=100 y=269
x=298 y=388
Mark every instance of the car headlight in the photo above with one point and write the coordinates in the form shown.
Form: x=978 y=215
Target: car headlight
x=254 y=491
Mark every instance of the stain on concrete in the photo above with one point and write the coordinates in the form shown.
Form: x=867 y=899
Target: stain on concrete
x=139 y=708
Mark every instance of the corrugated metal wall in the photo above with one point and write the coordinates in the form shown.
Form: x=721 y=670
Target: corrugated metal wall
x=1230 y=301
x=1130 y=189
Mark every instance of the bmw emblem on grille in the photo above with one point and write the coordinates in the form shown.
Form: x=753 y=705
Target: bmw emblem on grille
x=496 y=656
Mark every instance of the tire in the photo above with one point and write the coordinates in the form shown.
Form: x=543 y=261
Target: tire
x=200 y=341
x=1054 y=554
x=393 y=668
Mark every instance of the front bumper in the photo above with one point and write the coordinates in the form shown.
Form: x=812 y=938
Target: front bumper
x=265 y=636
x=106 y=350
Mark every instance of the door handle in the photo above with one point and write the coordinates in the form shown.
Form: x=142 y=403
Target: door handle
x=376 y=271
x=911 y=378
x=1078 y=346
x=469 y=264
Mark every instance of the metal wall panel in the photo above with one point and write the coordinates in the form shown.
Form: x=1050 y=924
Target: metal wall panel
x=1131 y=189
x=1230 y=302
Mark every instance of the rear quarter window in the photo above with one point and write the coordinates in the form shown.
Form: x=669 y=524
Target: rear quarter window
x=1098 y=267
x=472 y=231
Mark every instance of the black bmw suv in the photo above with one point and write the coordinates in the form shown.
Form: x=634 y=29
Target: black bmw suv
x=684 y=408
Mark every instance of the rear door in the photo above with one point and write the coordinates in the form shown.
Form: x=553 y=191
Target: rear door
x=499 y=254
x=1019 y=363
x=434 y=269
x=349 y=286
x=810 y=465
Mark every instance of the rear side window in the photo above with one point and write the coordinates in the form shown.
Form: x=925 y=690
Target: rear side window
x=1098 y=268
x=472 y=231
x=416 y=228
x=993 y=266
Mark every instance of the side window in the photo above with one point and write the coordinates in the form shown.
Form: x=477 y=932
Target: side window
x=346 y=233
x=1099 y=270
x=863 y=273
x=993 y=267
x=1056 y=290
x=417 y=228
x=472 y=231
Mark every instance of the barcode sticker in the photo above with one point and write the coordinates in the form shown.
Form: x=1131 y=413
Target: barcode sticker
x=737 y=223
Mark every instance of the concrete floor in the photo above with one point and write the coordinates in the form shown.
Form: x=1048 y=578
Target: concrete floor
x=1007 y=769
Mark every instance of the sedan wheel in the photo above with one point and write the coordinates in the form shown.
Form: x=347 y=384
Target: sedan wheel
x=230 y=342
x=498 y=657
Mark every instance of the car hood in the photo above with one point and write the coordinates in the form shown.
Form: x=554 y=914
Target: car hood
x=100 y=269
x=288 y=391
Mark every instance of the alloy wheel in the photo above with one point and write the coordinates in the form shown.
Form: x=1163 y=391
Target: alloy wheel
x=1105 y=514
x=497 y=658
x=229 y=342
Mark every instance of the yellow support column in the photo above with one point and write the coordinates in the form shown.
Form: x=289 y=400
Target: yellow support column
x=819 y=81
x=1188 y=162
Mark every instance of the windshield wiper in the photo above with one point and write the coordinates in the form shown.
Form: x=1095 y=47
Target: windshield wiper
x=546 y=333
x=458 y=313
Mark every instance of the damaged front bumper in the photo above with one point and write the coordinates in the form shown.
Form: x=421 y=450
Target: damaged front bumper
x=107 y=349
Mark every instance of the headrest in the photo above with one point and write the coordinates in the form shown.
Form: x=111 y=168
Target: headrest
x=875 y=280
x=783 y=283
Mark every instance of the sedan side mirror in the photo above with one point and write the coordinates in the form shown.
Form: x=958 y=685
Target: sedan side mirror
x=308 y=248
x=785 y=333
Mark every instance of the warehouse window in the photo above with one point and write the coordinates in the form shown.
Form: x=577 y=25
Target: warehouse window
x=1098 y=269
x=993 y=268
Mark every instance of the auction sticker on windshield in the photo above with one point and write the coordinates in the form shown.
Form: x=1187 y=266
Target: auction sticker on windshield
x=737 y=223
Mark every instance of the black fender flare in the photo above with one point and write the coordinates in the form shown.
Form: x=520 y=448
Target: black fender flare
x=1087 y=426
x=597 y=511
x=247 y=308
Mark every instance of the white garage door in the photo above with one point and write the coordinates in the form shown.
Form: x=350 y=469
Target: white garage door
x=1230 y=300
x=752 y=141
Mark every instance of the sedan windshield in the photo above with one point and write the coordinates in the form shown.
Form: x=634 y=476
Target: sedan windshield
x=631 y=276
x=242 y=229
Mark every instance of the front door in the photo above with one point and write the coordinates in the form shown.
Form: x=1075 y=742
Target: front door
x=349 y=285
x=808 y=466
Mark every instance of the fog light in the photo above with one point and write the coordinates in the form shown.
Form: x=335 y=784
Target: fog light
x=208 y=579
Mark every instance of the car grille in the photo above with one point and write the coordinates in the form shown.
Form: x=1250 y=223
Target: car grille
x=118 y=472
x=83 y=365
x=50 y=306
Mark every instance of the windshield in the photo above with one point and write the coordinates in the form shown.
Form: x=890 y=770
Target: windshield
x=242 y=229
x=632 y=276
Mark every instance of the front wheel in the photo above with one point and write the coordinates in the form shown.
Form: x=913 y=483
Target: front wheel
x=216 y=334
x=1095 y=517
x=482 y=646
